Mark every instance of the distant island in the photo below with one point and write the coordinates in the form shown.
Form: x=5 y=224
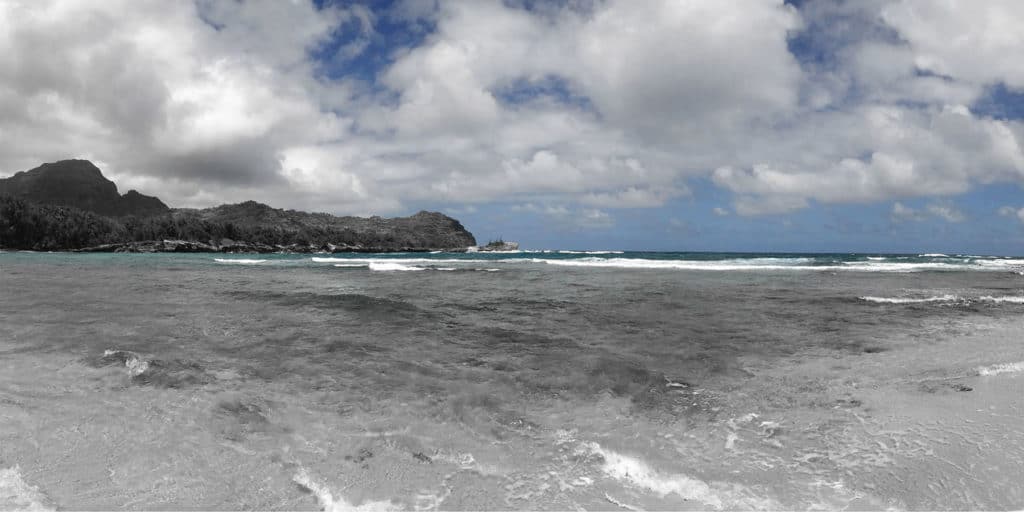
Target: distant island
x=70 y=206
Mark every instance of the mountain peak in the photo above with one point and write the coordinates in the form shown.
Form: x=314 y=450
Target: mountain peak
x=79 y=184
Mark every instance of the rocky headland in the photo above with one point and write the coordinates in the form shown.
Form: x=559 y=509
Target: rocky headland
x=69 y=205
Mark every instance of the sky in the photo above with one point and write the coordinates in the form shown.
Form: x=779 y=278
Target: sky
x=761 y=125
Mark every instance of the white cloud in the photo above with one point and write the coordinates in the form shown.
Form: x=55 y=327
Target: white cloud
x=902 y=213
x=1010 y=211
x=944 y=211
x=719 y=211
x=619 y=104
x=965 y=41
x=569 y=219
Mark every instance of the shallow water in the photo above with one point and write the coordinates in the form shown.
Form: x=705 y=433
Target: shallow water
x=511 y=381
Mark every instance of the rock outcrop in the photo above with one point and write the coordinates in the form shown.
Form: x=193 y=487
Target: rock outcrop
x=499 y=246
x=69 y=205
x=78 y=184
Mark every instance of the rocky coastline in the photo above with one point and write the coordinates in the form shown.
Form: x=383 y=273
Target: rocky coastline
x=70 y=206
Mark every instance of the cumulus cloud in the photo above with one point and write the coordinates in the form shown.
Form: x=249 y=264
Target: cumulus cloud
x=596 y=106
x=1011 y=211
x=945 y=211
x=569 y=219
x=903 y=213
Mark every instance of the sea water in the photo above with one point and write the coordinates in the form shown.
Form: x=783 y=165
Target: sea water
x=528 y=380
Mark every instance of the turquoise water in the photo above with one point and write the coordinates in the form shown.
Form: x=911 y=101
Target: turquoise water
x=532 y=380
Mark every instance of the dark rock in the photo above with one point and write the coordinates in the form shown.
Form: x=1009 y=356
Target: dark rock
x=499 y=246
x=422 y=458
x=78 y=184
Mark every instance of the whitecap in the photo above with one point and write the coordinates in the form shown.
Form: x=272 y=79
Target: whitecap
x=997 y=369
x=382 y=266
x=239 y=261
x=135 y=364
x=1013 y=299
x=911 y=300
x=933 y=255
x=639 y=474
x=589 y=252
x=17 y=494
x=331 y=504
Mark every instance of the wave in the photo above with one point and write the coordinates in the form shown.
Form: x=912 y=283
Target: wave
x=351 y=265
x=135 y=364
x=719 y=265
x=609 y=259
x=17 y=494
x=387 y=266
x=329 y=503
x=996 y=369
x=947 y=298
x=239 y=261
x=639 y=474
x=1013 y=299
x=911 y=300
x=933 y=255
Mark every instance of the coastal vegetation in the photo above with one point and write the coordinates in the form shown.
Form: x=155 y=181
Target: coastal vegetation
x=70 y=218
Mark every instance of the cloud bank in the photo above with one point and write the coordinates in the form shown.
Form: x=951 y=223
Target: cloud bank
x=578 y=106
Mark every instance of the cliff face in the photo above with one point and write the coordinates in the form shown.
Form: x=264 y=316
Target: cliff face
x=69 y=205
x=78 y=184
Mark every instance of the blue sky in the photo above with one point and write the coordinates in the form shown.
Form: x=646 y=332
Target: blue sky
x=875 y=125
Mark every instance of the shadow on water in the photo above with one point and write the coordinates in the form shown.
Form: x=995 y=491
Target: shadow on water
x=366 y=307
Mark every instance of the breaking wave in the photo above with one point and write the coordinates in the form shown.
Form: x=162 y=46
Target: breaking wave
x=239 y=261
x=638 y=473
x=135 y=364
x=17 y=494
x=945 y=299
x=997 y=369
x=387 y=266
x=329 y=503
x=911 y=300
x=590 y=252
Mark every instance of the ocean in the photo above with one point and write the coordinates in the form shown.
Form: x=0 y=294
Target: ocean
x=528 y=380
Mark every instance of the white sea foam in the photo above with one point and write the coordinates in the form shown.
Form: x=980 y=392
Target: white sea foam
x=331 y=504
x=1013 y=299
x=387 y=266
x=912 y=300
x=887 y=266
x=719 y=265
x=947 y=298
x=17 y=494
x=934 y=255
x=997 y=369
x=135 y=364
x=589 y=252
x=1002 y=263
x=239 y=261
x=638 y=473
